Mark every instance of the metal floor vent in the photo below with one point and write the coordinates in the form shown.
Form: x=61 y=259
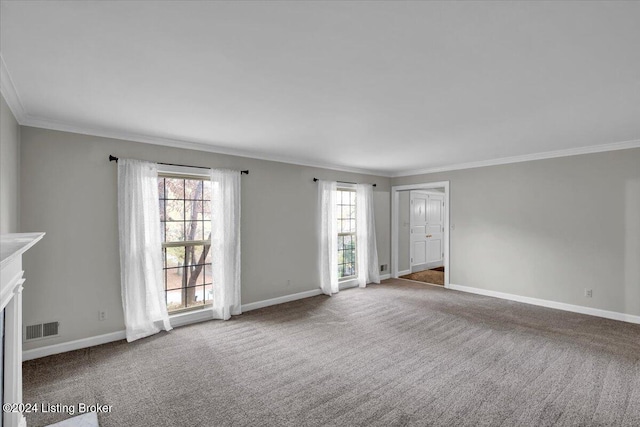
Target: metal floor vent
x=41 y=330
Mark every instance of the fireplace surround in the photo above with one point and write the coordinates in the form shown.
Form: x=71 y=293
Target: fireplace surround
x=12 y=247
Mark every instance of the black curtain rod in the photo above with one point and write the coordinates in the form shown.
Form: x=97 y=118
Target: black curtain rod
x=115 y=159
x=342 y=182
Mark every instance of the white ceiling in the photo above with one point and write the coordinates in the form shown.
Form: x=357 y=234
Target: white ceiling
x=386 y=87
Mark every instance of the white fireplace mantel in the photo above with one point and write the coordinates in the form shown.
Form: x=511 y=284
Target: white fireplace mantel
x=12 y=246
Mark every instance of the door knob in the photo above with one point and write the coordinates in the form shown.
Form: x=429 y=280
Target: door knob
x=429 y=235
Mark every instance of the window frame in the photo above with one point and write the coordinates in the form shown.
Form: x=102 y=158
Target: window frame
x=347 y=281
x=182 y=172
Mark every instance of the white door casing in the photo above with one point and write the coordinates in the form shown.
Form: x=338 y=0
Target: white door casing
x=435 y=231
x=395 y=232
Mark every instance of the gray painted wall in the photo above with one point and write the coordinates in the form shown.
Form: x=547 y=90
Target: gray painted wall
x=549 y=228
x=69 y=191
x=9 y=170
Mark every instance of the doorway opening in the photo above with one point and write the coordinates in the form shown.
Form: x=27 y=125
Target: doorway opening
x=420 y=233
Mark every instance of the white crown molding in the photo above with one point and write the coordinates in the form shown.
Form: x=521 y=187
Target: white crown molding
x=27 y=120
x=10 y=93
x=199 y=146
x=525 y=158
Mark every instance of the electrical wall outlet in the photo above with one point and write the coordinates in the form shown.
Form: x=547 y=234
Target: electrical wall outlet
x=383 y=267
x=102 y=315
x=588 y=293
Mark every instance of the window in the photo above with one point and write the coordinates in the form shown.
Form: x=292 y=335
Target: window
x=185 y=217
x=346 y=214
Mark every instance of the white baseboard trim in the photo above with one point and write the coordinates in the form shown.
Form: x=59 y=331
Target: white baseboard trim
x=404 y=272
x=385 y=276
x=48 y=350
x=280 y=300
x=614 y=315
x=176 y=321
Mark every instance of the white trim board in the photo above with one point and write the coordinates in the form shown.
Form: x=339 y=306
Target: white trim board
x=48 y=350
x=10 y=93
x=614 y=315
x=176 y=321
x=614 y=146
x=385 y=276
x=280 y=300
x=28 y=120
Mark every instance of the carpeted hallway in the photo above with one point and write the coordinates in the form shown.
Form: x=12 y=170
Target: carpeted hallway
x=394 y=354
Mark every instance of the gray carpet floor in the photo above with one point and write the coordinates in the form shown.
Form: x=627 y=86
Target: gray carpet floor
x=396 y=354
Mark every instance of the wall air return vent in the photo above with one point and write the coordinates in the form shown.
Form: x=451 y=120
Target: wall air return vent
x=41 y=330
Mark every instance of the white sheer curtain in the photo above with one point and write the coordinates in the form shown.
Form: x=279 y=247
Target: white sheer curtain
x=225 y=242
x=366 y=250
x=327 y=191
x=143 y=301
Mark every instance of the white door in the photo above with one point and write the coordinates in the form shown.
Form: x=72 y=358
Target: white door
x=435 y=231
x=427 y=231
x=418 y=225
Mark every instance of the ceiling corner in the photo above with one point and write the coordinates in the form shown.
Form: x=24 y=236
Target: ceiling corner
x=10 y=94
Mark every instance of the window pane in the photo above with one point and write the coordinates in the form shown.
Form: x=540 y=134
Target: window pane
x=174 y=278
x=161 y=207
x=175 y=257
x=206 y=190
x=161 y=188
x=175 y=300
x=175 y=210
x=193 y=189
x=193 y=209
x=208 y=259
x=194 y=270
x=207 y=273
x=197 y=254
x=207 y=229
x=208 y=293
x=195 y=296
x=174 y=188
x=195 y=230
x=206 y=208
x=345 y=211
x=175 y=231
x=188 y=255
